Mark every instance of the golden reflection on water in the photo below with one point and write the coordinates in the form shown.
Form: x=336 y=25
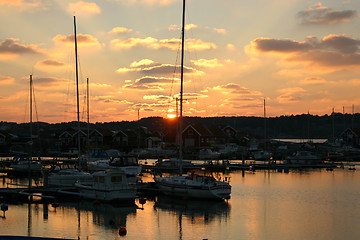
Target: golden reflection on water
x=312 y=204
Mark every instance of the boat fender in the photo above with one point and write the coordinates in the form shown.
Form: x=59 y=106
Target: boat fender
x=55 y=204
x=122 y=231
x=4 y=207
x=142 y=201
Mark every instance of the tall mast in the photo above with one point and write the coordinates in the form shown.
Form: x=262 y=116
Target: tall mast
x=88 y=109
x=31 y=92
x=31 y=133
x=182 y=87
x=77 y=87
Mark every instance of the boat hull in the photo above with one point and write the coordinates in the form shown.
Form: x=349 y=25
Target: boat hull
x=106 y=195
x=215 y=192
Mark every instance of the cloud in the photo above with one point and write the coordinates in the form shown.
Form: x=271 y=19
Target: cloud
x=120 y=30
x=332 y=53
x=261 y=45
x=234 y=88
x=82 y=39
x=313 y=80
x=143 y=62
x=146 y=2
x=85 y=42
x=210 y=63
x=149 y=83
x=341 y=43
x=191 y=26
x=159 y=98
x=11 y=47
x=84 y=9
x=290 y=95
x=168 y=69
x=24 y=5
x=48 y=82
x=6 y=80
x=152 y=43
x=50 y=64
x=230 y=47
x=319 y=14
x=149 y=67
x=220 y=30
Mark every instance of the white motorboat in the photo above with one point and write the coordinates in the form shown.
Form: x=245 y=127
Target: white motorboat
x=196 y=184
x=129 y=164
x=208 y=154
x=109 y=186
x=304 y=158
x=68 y=177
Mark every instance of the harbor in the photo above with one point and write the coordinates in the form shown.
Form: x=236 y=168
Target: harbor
x=261 y=203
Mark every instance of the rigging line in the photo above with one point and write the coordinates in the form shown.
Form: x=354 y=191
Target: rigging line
x=200 y=80
x=171 y=97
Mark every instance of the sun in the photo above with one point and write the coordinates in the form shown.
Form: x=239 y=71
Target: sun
x=171 y=113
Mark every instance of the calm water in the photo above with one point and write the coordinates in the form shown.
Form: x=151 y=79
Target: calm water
x=265 y=205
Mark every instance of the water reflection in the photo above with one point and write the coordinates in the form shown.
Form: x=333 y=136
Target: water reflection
x=105 y=215
x=197 y=211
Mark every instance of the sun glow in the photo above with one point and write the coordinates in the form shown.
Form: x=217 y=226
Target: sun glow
x=171 y=113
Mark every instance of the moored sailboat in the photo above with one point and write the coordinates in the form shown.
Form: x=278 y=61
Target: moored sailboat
x=199 y=185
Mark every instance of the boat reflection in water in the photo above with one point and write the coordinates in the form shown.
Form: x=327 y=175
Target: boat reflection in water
x=198 y=211
x=105 y=215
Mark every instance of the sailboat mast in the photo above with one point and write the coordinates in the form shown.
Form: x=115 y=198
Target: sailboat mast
x=182 y=87
x=31 y=92
x=77 y=87
x=31 y=133
x=88 y=109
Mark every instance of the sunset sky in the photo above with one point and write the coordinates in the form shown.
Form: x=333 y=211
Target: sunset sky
x=301 y=56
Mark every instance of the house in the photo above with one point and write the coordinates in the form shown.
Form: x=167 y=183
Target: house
x=230 y=133
x=70 y=137
x=153 y=142
x=197 y=136
x=351 y=137
x=120 y=140
x=101 y=137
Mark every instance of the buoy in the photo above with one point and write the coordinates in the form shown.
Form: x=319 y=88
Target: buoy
x=142 y=201
x=122 y=231
x=4 y=207
x=55 y=204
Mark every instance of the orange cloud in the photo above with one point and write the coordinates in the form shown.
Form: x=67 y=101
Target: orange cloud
x=234 y=88
x=313 y=80
x=148 y=67
x=84 y=9
x=120 y=30
x=210 y=63
x=147 y=2
x=51 y=64
x=21 y=5
x=6 y=80
x=172 y=44
x=143 y=62
x=149 y=83
x=82 y=39
x=290 y=95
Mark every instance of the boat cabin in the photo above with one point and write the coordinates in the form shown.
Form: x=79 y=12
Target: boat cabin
x=109 y=179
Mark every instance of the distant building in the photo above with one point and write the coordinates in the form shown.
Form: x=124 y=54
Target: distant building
x=351 y=137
